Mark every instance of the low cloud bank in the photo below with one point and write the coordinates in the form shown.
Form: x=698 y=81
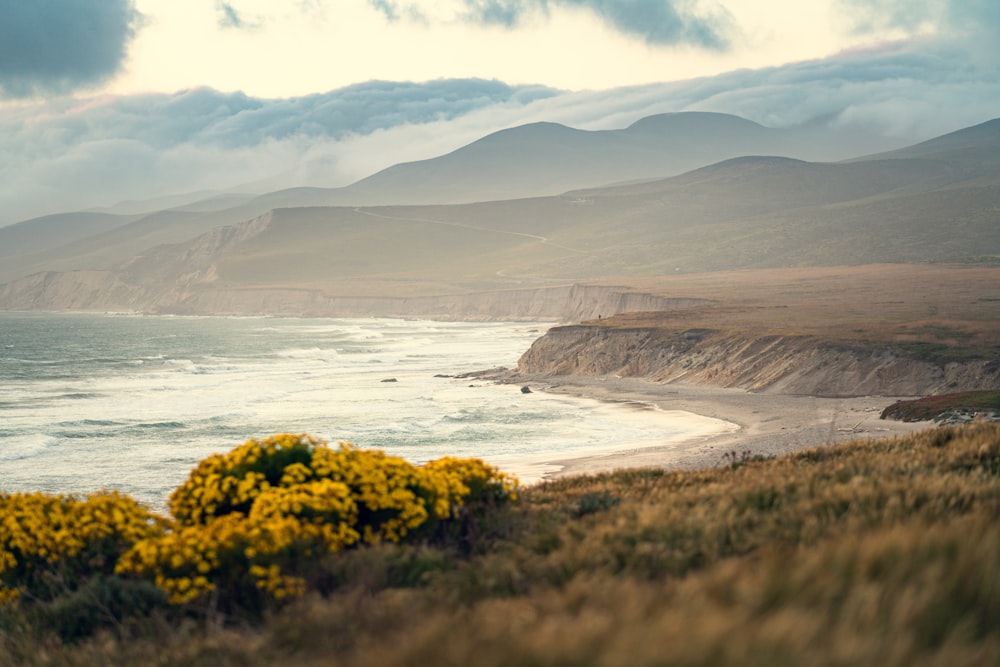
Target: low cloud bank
x=75 y=154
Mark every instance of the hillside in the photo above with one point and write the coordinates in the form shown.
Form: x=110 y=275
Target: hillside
x=541 y=159
x=52 y=231
x=978 y=143
x=946 y=408
x=743 y=213
x=876 y=552
x=524 y=161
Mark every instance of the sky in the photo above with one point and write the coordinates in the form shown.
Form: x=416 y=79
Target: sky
x=103 y=101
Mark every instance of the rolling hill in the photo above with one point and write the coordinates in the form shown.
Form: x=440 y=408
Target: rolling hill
x=938 y=201
x=540 y=159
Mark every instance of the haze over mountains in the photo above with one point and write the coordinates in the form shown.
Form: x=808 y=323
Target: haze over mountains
x=533 y=207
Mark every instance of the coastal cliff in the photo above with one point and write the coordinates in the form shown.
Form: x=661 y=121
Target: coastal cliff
x=185 y=279
x=773 y=363
x=197 y=291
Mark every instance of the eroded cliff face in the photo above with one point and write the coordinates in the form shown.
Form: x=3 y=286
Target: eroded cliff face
x=778 y=364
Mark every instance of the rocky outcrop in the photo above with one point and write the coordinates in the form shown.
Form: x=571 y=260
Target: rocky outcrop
x=779 y=364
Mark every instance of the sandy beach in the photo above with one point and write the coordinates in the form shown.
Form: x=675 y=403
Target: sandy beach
x=756 y=423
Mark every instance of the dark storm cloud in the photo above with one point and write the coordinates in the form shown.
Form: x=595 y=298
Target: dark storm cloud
x=62 y=45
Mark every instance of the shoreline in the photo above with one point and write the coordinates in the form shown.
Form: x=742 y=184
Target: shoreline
x=764 y=424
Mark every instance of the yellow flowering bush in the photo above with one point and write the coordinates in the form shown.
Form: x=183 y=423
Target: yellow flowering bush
x=472 y=480
x=50 y=544
x=247 y=526
x=261 y=515
x=230 y=555
x=394 y=497
x=224 y=483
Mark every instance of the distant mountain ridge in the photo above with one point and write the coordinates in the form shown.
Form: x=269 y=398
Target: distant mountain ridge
x=938 y=201
x=542 y=159
x=536 y=159
x=980 y=142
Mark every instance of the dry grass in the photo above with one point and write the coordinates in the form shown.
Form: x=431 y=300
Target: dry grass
x=927 y=311
x=882 y=552
x=932 y=407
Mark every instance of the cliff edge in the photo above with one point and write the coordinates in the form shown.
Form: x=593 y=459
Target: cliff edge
x=782 y=364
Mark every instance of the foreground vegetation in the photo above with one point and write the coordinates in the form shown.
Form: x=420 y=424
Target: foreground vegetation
x=882 y=552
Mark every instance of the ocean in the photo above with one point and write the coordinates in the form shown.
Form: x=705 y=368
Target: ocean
x=129 y=402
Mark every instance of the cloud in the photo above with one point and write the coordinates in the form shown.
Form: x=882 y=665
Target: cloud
x=969 y=26
x=663 y=22
x=507 y=13
x=951 y=18
x=232 y=17
x=65 y=154
x=256 y=14
x=870 y=16
x=657 y=22
x=228 y=16
x=387 y=8
x=62 y=45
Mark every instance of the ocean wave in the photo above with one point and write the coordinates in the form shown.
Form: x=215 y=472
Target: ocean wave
x=307 y=353
x=87 y=429
x=94 y=422
x=157 y=425
x=26 y=446
x=217 y=385
x=495 y=415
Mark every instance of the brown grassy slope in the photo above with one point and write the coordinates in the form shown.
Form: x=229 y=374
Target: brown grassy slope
x=957 y=307
x=344 y=251
x=746 y=213
x=932 y=407
x=881 y=552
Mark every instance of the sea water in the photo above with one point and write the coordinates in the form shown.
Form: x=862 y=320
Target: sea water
x=92 y=401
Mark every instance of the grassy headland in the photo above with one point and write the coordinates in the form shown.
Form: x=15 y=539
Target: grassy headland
x=934 y=407
x=877 y=552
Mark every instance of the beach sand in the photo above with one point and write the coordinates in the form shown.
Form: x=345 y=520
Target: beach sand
x=758 y=424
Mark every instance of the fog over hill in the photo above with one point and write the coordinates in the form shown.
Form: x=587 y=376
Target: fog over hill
x=938 y=201
x=72 y=154
x=525 y=161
